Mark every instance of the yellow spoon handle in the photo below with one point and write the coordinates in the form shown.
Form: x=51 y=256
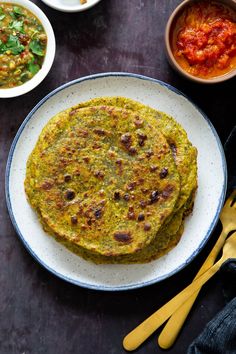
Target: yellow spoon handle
x=135 y=338
x=172 y=328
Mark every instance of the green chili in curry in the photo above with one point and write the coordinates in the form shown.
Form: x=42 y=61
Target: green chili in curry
x=23 y=44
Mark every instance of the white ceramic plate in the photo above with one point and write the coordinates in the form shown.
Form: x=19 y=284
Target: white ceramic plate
x=209 y=199
x=70 y=5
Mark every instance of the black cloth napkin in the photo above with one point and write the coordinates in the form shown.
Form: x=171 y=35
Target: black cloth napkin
x=219 y=335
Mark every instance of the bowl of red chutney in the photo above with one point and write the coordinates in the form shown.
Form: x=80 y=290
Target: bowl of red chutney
x=200 y=40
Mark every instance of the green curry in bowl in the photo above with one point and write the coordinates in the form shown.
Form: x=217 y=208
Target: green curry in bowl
x=23 y=44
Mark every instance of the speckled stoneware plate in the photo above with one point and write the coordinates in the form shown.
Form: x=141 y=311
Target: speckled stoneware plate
x=70 y=5
x=209 y=199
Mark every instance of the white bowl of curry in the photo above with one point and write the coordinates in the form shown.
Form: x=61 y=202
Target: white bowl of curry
x=27 y=47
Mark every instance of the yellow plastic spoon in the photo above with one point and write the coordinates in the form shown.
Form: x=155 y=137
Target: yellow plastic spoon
x=135 y=338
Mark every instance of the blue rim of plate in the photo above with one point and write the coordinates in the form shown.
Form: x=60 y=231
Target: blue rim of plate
x=123 y=287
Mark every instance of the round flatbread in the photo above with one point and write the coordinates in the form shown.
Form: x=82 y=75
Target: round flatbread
x=167 y=237
x=103 y=178
x=163 y=243
x=184 y=152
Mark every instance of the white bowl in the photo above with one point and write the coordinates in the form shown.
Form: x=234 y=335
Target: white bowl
x=170 y=56
x=49 y=57
x=70 y=5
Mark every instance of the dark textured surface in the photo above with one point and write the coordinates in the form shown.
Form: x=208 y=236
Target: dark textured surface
x=38 y=312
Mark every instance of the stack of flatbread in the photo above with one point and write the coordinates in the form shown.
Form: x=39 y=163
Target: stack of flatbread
x=113 y=179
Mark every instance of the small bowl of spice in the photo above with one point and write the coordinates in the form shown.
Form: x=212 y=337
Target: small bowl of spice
x=27 y=47
x=200 y=40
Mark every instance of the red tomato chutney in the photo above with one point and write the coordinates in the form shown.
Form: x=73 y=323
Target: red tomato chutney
x=203 y=39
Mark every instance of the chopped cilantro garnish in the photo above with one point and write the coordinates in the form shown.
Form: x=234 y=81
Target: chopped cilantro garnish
x=17 y=25
x=2 y=15
x=12 y=15
x=33 y=68
x=17 y=11
x=2 y=47
x=13 y=44
x=36 y=47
